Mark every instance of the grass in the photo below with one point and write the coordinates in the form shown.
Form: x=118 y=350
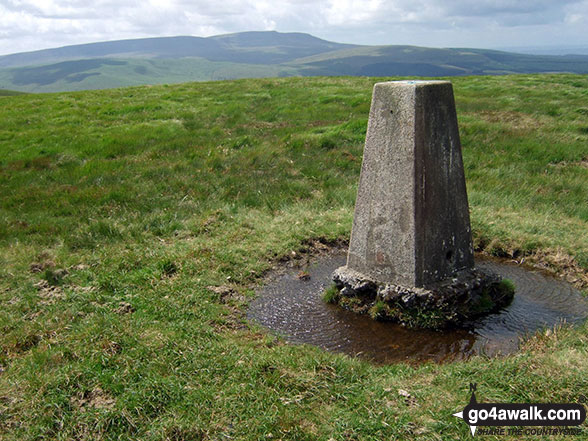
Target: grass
x=4 y=92
x=120 y=209
x=107 y=73
x=331 y=294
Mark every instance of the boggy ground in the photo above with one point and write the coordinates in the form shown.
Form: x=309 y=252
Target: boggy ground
x=135 y=223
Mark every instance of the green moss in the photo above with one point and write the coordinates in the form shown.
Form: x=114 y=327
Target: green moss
x=379 y=311
x=426 y=318
x=331 y=295
x=484 y=304
x=507 y=288
x=351 y=303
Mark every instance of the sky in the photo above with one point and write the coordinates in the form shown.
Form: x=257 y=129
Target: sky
x=27 y=25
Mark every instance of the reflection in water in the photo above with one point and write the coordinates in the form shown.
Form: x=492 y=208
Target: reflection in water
x=293 y=308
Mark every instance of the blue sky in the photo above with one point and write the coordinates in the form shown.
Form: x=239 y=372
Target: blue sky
x=38 y=24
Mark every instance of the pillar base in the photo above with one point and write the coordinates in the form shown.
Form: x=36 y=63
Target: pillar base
x=453 y=302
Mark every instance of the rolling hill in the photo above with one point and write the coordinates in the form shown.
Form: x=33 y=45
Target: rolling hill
x=252 y=55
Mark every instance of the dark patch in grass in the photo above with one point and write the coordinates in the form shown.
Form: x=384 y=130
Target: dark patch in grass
x=168 y=268
x=27 y=342
x=328 y=143
x=176 y=433
x=104 y=230
x=110 y=283
x=244 y=141
x=553 y=111
x=55 y=277
x=124 y=308
x=38 y=163
x=162 y=226
x=191 y=121
x=39 y=267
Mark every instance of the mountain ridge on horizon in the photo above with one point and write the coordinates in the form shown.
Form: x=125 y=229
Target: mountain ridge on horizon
x=157 y=60
x=170 y=47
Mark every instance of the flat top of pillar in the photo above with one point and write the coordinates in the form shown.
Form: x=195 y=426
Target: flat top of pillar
x=414 y=83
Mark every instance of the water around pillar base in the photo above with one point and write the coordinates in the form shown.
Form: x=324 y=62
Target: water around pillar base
x=292 y=307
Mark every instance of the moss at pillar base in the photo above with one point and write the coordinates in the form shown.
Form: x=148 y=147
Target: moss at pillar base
x=455 y=302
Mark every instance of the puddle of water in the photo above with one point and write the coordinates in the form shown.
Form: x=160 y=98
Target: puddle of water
x=293 y=308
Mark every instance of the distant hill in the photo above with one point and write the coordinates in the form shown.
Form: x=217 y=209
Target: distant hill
x=4 y=92
x=245 y=47
x=249 y=55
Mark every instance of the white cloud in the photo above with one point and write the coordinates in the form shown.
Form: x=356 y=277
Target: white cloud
x=577 y=14
x=342 y=12
x=37 y=24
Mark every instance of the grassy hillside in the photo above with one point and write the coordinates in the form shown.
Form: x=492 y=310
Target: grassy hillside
x=120 y=208
x=4 y=92
x=252 y=55
x=414 y=60
x=111 y=73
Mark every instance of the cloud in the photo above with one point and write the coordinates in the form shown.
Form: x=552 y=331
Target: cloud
x=36 y=24
x=481 y=8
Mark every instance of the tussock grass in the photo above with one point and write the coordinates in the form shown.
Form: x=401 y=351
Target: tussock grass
x=134 y=202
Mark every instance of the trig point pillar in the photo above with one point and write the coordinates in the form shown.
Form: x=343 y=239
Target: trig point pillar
x=411 y=224
x=411 y=235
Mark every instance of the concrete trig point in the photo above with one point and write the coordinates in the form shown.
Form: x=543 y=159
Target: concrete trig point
x=410 y=254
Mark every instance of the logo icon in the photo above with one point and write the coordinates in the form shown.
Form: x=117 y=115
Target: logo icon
x=536 y=414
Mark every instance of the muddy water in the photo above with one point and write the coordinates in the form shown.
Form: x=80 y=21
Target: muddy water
x=292 y=307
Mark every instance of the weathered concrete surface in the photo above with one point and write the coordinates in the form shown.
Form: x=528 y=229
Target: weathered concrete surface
x=411 y=225
x=410 y=256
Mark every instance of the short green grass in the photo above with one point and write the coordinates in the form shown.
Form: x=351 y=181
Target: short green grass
x=120 y=208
